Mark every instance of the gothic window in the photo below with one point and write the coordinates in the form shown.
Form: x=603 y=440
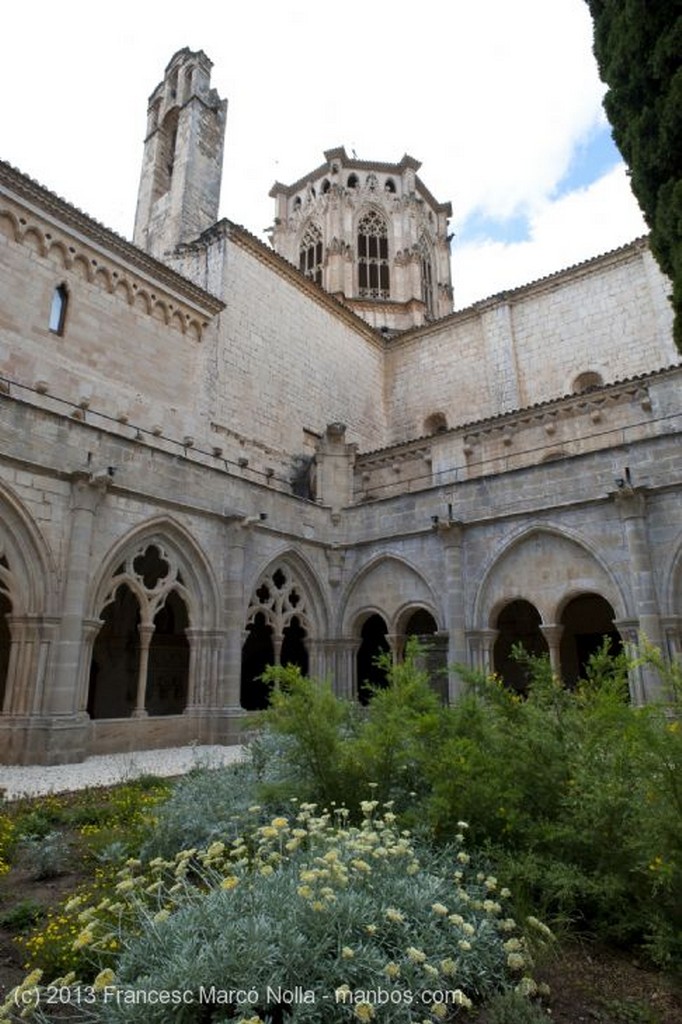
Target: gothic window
x=310 y=254
x=277 y=627
x=373 y=277
x=60 y=301
x=390 y=186
x=426 y=269
x=325 y=186
x=140 y=658
x=353 y=181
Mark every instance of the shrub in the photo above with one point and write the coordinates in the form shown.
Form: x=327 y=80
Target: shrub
x=351 y=921
x=43 y=857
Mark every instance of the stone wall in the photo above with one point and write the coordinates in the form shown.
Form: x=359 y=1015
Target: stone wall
x=610 y=316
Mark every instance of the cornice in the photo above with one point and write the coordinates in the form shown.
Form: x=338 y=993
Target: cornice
x=622 y=254
x=629 y=388
x=51 y=206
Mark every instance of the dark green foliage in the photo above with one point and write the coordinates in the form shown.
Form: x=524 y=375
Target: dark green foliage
x=575 y=795
x=21 y=916
x=638 y=46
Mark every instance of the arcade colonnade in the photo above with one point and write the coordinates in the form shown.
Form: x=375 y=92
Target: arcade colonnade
x=163 y=642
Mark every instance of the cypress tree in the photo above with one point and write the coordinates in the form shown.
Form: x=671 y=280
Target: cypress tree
x=638 y=47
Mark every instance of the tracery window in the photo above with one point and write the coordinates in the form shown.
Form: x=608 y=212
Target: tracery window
x=140 y=658
x=310 y=253
x=373 y=275
x=277 y=626
x=426 y=268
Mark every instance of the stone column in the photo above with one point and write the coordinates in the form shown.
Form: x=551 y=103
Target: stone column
x=553 y=634
x=481 y=643
x=631 y=504
x=629 y=633
x=342 y=659
x=452 y=537
x=146 y=632
x=234 y=610
x=86 y=497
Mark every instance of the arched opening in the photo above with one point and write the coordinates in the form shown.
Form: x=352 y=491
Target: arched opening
x=168 y=669
x=5 y=642
x=310 y=254
x=325 y=186
x=276 y=633
x=590 y=380
x=436 y=423
x=294 y=651
x=373 y=276
x=518 y=624
x=165 y=161
x=390 y=186
x=587 y=621
x=115 y=661
x=373 y=642
x=353 y=181
x=60 y=302
x=257 y=653
x=426 y=278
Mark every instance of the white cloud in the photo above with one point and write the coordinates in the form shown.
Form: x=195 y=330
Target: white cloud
x=493 y=97
x=568 y=230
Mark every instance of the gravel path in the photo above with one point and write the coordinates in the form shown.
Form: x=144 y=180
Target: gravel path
x=105 y=769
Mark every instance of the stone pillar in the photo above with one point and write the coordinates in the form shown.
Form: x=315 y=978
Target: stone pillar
x=342 y=655
x=452 y=537
x=86 y=497
x=631 y=504
x=553 y=634
x=146 y=632
x=229 y=682
x=672 y=629
x=481 y=643
x=629 y=634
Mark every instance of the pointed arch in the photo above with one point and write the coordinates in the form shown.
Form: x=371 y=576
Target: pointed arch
x=191 y=572
x=570 y=565
x=373 y=254
x=155 y=613
x=29 y=559
x=399 y=583
x=310 y=252
x=286 y=616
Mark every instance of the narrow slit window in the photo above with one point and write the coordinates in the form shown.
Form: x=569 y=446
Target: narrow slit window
x=60 y=301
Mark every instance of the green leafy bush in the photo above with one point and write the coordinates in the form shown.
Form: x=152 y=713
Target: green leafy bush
x=577 y=794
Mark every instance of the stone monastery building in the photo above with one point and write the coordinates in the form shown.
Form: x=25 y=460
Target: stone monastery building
x=216 y=454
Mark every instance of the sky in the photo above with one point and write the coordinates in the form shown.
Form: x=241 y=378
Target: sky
x=499 y=100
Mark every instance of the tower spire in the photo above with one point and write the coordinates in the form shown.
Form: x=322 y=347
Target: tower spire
x=179 y=189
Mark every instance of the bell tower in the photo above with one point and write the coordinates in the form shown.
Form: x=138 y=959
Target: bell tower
x=372 y=235
x=183 y=156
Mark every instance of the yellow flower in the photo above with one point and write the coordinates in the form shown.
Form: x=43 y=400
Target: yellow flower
x=161 y=916
x=394 y=915
x=364 y=1011
x=439 y=1011
x=515 y=961
x=448 y=967
x=230 y=882
x=416 y=956
x=104 y=979
x=279 y=822
x=392 y=970
x=440 y=909
x=464 y=945
x=347 y=953
x=461 y=1000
